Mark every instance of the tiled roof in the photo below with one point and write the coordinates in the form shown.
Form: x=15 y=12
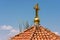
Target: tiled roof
x=36 y=33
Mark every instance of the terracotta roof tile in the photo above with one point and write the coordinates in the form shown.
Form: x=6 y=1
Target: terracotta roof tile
x=36 y=33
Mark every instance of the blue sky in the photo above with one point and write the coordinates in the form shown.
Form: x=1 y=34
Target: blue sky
x=14 y=12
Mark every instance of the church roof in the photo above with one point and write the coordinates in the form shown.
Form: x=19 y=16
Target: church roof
x=36 y=33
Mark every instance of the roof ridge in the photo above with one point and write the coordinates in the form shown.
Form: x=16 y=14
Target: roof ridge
x=36 y=28
x=33 y=34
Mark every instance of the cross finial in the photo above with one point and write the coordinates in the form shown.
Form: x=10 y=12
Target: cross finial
x=36 y=9
x=36 y=19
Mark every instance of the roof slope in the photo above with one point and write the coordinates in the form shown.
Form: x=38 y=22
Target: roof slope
x=36 y=33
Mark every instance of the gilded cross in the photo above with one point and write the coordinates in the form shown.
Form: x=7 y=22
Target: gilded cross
x=36 y=9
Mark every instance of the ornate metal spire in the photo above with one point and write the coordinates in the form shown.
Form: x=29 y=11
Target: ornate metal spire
x=36 y=19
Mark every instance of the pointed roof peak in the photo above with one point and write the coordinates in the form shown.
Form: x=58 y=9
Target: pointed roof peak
x=33 y=34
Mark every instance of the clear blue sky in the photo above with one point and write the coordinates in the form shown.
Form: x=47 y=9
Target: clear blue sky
x=13 y=12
